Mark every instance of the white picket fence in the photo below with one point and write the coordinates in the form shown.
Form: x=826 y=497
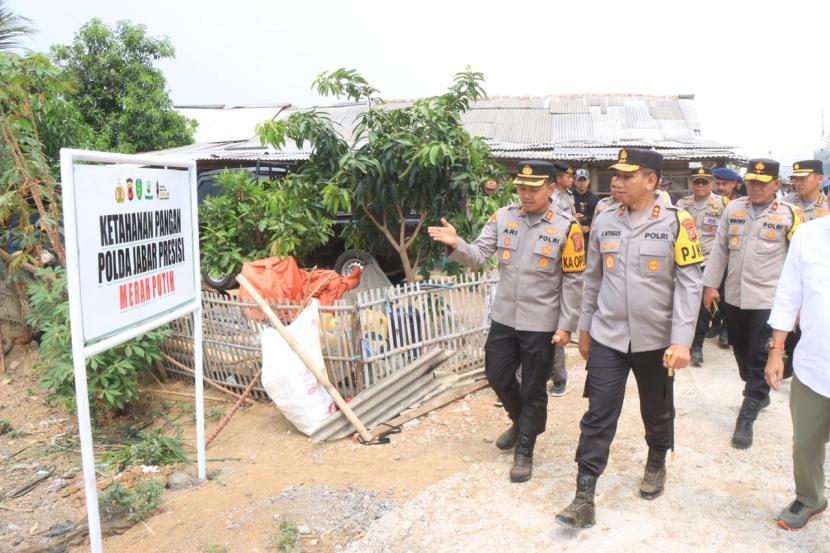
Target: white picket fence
x=362 y=343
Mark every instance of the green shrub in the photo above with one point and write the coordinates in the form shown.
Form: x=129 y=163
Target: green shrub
x=112 y=376
x=118 y=502
x=289 y=536
x=147 y=449
x=252 y=220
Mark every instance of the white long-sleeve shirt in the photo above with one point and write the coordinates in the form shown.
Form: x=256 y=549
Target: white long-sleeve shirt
x=805 y=285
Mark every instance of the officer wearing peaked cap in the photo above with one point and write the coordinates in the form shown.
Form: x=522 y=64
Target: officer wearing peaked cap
x=807 y=177
x=705 y=207
x=541 y=254
x=640 y=302
x=750 y=247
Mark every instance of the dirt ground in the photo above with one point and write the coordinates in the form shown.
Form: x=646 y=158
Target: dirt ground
x=441 y=485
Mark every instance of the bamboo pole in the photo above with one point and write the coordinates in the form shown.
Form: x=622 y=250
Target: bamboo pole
x=227 y=418
x=319 y=374
x=208 y=381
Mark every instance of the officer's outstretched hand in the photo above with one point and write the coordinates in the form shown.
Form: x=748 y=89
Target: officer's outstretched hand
x=676 y=357
x=445 y=234
x=584 y=344
x=710 y=295
x=561 y=338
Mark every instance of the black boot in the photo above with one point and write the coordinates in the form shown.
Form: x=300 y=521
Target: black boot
x=697 y=355
x=581 y=513
x=723 y=338
x=508 y=438
x=522 y=468
x=742 y=438
x=654 y=479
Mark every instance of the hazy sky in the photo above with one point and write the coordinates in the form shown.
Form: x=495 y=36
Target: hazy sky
x=760 y=75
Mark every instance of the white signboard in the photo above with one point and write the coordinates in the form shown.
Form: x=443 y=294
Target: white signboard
x=135 y=245
x=132 y=265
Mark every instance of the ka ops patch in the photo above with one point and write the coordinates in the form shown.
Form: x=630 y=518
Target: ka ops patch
x=687 y=245
x=573 y=257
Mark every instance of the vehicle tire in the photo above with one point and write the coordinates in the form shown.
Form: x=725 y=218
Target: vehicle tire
x=220 y=281
x=349 y=260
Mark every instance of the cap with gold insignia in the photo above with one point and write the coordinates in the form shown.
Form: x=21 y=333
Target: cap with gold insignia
x=533 y=172
x=701 y=173
x=634 y=159
x=563 y=168
x=808 y=167
x=761 y=170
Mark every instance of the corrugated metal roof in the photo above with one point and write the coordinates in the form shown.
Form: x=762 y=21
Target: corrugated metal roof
x=590 y=122
x=610 y=154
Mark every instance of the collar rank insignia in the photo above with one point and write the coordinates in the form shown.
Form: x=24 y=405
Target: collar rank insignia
x=549 y=216
x=655 y=212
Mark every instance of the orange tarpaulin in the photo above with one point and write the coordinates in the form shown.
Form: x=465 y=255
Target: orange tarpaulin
x=280 y=280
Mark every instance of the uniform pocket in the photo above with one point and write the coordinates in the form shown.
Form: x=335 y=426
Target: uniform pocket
x=654 y=257
x=770 y=241
x=507 y=246
x=545 y=255
x=610 y=250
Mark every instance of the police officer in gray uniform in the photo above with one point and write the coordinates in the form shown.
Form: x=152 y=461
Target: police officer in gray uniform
x=641 y=298
x=705 y=207
x=807 y=176
x=751 y=245
x=563 y=200
x=541 y=254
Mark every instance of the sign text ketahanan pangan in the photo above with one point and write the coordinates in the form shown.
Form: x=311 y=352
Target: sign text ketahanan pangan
x=136 y=244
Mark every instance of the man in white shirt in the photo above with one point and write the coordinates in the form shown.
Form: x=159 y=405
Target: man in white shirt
x=803 y=289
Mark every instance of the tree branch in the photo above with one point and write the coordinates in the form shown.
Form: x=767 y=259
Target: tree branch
x=384 y=228
x=421 y=219
x=8 y=258
x=401 y=225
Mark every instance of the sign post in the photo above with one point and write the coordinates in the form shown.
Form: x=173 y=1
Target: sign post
x=132 y=262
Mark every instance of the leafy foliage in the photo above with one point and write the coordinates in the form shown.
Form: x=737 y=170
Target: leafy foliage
x=153 y=448
x=36 y=120
x=123 y=97
x=13 y=27
x=289 y=536
x=406 y=166
x=251 y=220
x=112 y=376
x=119 y=502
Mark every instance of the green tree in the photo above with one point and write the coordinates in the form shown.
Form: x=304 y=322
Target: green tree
x=36 y=120
x=120 y=93
x=405 y=168
x=12 y=28
x=251 y=220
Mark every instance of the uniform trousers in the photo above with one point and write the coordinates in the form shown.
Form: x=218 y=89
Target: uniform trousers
x=526 y=402
x=605 y=389
x=749 y=336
